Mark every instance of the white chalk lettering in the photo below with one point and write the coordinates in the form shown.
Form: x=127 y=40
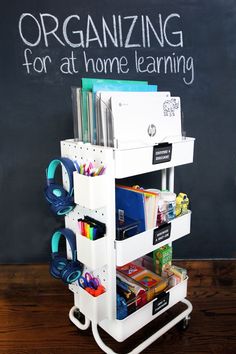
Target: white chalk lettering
x=23 y=16
x=90 y=24
x=178 y=33
x=160 y=38
x=124 y=31
x=79 y=32
x=107 y=65
x=129 y=34
x=68 y=65
x=52 y=31
x=106 y=31
x=166 y=64
x=156 y=31
x=38 y=64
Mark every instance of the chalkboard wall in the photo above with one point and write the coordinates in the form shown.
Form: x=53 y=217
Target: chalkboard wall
x=187 y=47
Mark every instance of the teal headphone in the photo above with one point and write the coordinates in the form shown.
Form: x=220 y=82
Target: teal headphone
x=61 y=267
x=60 y=200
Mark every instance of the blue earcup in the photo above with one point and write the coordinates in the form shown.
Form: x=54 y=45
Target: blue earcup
x=62 y=268
x=57 y=265
x=55 y=191
x=71 y=272
x=60 y=200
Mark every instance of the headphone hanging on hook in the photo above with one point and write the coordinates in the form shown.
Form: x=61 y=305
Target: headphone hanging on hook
x=61 y=267
x=61 y=201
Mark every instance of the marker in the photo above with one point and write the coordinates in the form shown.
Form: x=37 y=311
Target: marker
x=91 y=232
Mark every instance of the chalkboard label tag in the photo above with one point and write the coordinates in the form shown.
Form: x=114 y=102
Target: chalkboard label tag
x=161 y=233
x=160 y=302
x=161 y=153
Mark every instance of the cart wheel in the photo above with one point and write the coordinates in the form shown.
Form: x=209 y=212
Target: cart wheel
x=77 y=314
x=183 y=325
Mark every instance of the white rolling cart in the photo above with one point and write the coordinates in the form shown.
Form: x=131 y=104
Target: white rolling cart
x=95 y=197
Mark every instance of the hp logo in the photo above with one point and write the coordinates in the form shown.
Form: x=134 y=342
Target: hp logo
x=151 y=130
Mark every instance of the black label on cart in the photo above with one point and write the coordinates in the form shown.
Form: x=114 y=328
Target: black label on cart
x=161 y=153
x=161 y=302
x=162 y=233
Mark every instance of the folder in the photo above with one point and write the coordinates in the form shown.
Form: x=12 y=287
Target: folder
x=77 y=113
x=150 y=204
x=133 y=205
x=138 y=204
x=87 y=86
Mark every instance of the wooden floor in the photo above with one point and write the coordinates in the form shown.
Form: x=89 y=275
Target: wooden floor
x=34 y=314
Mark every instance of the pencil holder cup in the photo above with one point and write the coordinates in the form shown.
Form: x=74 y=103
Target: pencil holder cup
x=89 y=192
x=91 y=253
x=94 y=308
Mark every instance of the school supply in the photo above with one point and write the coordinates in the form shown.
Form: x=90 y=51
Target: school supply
x=167 y=203
x=121 y=307
x=89 y=169
x=124 y=290
x=105 y=109
x=138 y=204
x=144 y=119
x=103 y=113
x=125 y=226
x=91 y=284
x=77 y=112
x=89 y=121
x=149 y=281
x=133 y=205
x=182 y=203
x=174 y=274
x=153 y=283
x=60 y=267
x=126 y=284
x=130 y=269
x=161 y=257
x=60 y=200
x=91 y=228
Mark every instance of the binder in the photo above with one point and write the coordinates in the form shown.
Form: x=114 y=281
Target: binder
x=138 y=204
x=133 y=205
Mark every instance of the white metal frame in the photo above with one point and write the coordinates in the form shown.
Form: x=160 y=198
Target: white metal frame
x=103 y=309
x=183 y=315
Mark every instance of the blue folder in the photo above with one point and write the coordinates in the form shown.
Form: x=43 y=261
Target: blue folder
x=133 y=205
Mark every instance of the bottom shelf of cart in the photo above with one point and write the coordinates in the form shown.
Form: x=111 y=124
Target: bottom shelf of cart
x=122 y=329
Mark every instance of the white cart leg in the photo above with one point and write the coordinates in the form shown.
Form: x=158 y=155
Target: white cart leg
x=164 y=179
x=76 y=322
x=171 y=179
x=150 y=340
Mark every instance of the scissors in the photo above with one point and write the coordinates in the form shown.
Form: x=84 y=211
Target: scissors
x=88 y=281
